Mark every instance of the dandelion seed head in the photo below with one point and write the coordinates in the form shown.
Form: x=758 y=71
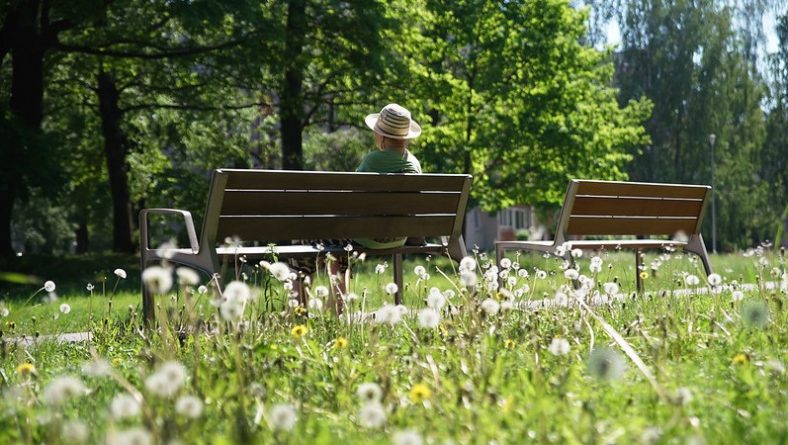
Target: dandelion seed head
x=755 y=313
x=606 y=364
x=419 y=271
x=490 y=307
x=571 y=274
x=131 y=436
x=714 y=279
x=237 y=292
x=559 y=346
x=321 y=291
x=407 y=437
x=62 y=389
x=391 y=288
x=467 y=264
x=429 y=318
x=316 y=304
x=124 y=406
x=157 y=279
x=372 y=415
x=505 y=263
x=282 y=417
x=231 y=310
x=187 y=276
x=380 y=268
x=120 y=273
x=74 y=432
x=65 y=308
x=280 y=271
x=369 y=392
x=610 y=288
x=522 y=273
x=167 y=380
x=435 y=299
x=189 y=406
x=468 y=278
x=577 y=253
x=737 y=295
x=541 y=274
x=692 y=280
x=97 y=368
x=683 y=396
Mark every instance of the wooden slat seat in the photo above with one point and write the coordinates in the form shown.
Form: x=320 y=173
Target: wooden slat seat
x=617 y=209
x=267 y=206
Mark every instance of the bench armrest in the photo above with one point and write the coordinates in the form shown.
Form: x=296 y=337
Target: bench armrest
x=187 y=218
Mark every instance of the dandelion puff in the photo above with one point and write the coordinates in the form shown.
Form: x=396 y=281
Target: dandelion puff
x=755 y=314
x=372 y=415
x=737 y=295
x=167 y=380
x=571 y=274
x=559 y=346
x=692 y=280
x=467 y=264
x=189 y=406
x=97 y=368
x=683 y=396
x=380 y=268
x=131 y=436
x=74 y=432
x=468 y=278
x=124 y=406
x=611 y=288
x=231 y=311
x=388 y=314
x=490 y=307
x=62 y=389
x=577 y=253
x=407 y=437
x=4 y=312
x=282 y=417
x=420 y=271
x=606 y=364
x=714 y=279
x=120 y=273
x=49 y=286
x=157 y=279
x=369 y=392
x=316 y=304
x=237 y=292
x=435 y=299
x=651 y=435
x=541 y=274
x=429 y=318
x=187 y=276
x=321 y=291
x=391 y=288
x=506 y=263
x=65 y=308
x=280 y=271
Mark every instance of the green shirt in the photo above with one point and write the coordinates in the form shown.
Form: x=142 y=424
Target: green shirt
x=387 y=161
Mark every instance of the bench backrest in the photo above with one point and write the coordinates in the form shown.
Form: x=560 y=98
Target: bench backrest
x=632 y=208
x=268 y=205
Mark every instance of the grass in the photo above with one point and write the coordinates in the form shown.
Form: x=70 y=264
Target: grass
x=710 y=371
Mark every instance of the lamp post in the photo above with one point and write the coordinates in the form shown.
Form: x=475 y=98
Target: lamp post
x=712 y=140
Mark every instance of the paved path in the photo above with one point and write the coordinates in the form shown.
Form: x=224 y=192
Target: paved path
x=70 y=337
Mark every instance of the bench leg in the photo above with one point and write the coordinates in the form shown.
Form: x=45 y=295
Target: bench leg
x=638 y=267
x=398 y=277
x=148 y=308
x=696 y=246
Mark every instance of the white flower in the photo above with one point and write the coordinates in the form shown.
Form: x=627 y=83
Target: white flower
x=97 y=368
x=490 y=306
x=506 y=263
x=420 y=271
x=124 y=406
x=280 y=271
x=429 y=318
x=369 y=392
x=522 y=273
x=49 y=286
x=157 y=279
x=435 y=299
x=467 y=264
x=714 y=279
x=372 y=415
x=63 y=388
x=282 y=417
x=391 y=288
x=187 y=276
x=683 y=396
x=577 y=253
x=321 y=291
x=131 y=436
x=571 y=274
x=380 y=268
x=189 y=406
x=559 y=346
x=231 y=311
x=407 y=437
x=237 y=292
x=74 y=432
x=316 y=304
x=65 y=308
x=167 y=380
x=388 y=314
x=120 y=273
x=611 y=288
x=691 y=280
x=737 y=295
x=468 y=278
x=541 y=274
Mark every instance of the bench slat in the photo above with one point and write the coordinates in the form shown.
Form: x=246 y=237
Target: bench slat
x=590 y=225
x=238 y=202
x=300 y=180
x=641 y=189
x=595 y=205
x=250 y=228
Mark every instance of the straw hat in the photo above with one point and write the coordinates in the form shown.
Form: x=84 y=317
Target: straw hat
x=393 y=122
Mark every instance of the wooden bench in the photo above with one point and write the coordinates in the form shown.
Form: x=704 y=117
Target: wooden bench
x=272 y=206
x=615 y=209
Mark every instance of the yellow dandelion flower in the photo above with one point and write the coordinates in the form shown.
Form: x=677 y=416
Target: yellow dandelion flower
x=740 y=359
x=299 y=331
x=25 y=369
x=340 y=343
x=508 y=343
x=420 y=392
x=116 y=361
x=643 y=275
x=299 y=310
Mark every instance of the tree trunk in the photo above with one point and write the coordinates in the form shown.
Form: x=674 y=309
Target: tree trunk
x=82 y=235
x=115 y=149
x=291 y=98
